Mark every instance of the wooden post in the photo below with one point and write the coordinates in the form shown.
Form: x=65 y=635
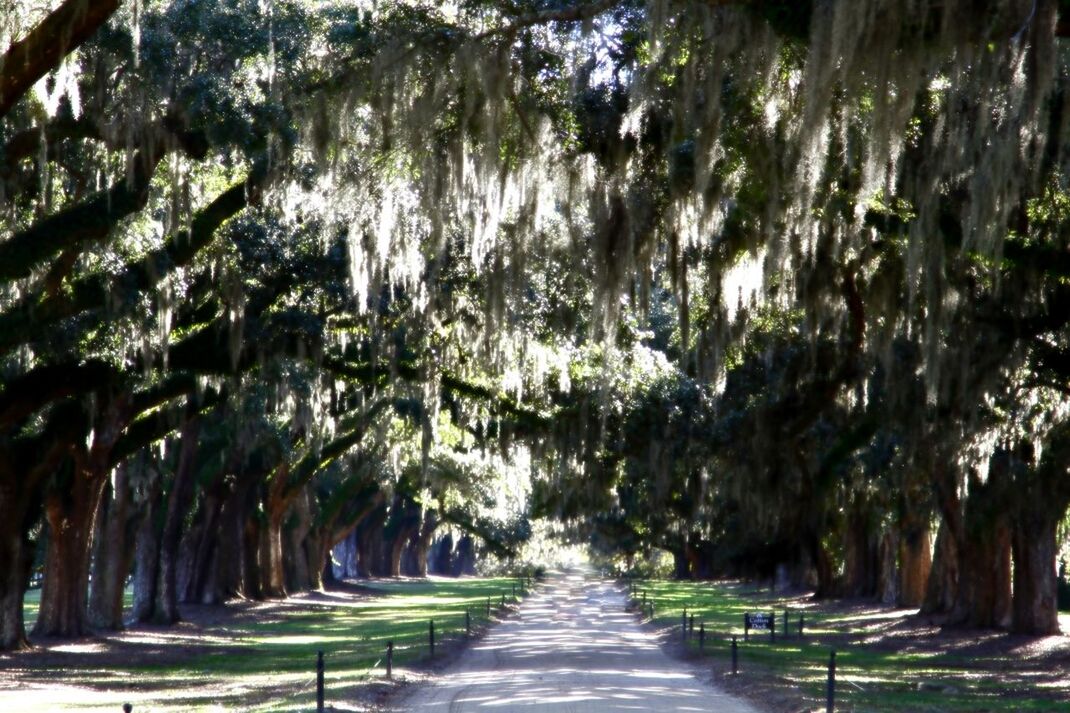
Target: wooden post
x=701 y=635
x=830 y=703
x=319 y=682
x=691 y=627
x=467 y=623
x=772 y=627
x=683 y=624
x=431 y=636
x=488 y=607
x=802 y=620
x=389 y=659
x=735 y=657
x=786 y=633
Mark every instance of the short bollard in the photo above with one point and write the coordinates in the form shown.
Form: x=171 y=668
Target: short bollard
x=127 y=707
x=701 y=636
x=389 y=659
x=431 y=637
x=691 y=627
x=735 y=657
x=467 y=623
x=772 y=627
x=786 y=632
x=488 y=607
x=830 y=703
x=651 y=610
x=802 y=621
x=746 y=627
x=319 y=682
x=683 y=625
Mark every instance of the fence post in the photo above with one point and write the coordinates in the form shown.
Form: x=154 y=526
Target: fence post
x=701 y=635
x=389 y=659
x=319 y=682
x=735 y=657
x=830 y=703
x=467 y=623
x=431 y=636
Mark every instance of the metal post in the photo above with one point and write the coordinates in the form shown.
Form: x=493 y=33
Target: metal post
x=746 y=627
x=735 y=657
x=830 y=704
x=431 y=636
x=389 y=659
x=701 y=635
x=319 y=682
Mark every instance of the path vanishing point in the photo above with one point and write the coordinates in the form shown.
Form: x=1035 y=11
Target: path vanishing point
x=572 y=647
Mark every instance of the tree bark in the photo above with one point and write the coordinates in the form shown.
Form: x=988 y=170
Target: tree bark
x=110 y=560
x=942 y=587
x=70 y=516
x=915 y=561
x=147 y=552
x=16 y=556
x=1035 y=582
x=165 y=609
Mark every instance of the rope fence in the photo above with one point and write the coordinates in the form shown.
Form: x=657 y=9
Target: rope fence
x=766 y=621
x=445 y=632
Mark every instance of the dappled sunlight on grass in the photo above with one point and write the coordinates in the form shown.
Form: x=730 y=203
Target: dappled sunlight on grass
x=887 y=659
x=253 y=655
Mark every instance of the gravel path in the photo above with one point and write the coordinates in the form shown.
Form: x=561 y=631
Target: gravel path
x=571 y=648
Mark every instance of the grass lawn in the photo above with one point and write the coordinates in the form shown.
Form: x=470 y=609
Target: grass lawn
x=253 y=656
x=886 y=660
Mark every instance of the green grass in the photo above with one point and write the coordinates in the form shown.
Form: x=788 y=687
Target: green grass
x=265 y=660
x=869 y=678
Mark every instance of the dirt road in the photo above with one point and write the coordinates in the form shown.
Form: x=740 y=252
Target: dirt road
x=571 y=648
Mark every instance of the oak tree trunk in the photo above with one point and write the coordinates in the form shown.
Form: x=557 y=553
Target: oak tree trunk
x=178 y=502
x=70 y=516
x=111 y=561
x=1035 y=581
x=915 y=562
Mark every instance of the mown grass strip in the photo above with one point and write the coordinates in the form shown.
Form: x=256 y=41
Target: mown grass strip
x=868 y=678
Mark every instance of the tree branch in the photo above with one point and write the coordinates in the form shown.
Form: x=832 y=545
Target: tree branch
x=35 y=55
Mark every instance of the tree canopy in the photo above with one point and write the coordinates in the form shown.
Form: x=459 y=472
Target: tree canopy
x=779 y=287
